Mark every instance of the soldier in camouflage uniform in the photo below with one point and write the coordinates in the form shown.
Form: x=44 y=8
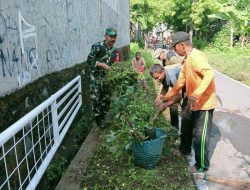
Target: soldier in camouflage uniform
x=102 y=55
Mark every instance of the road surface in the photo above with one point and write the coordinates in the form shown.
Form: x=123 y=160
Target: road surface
x=230 y=141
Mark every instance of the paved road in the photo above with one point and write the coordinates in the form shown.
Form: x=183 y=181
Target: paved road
x=230 y=147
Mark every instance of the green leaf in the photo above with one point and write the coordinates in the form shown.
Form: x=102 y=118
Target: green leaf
x=128 y=146
x=130 y=89
x=110 y=137
x=221 y=16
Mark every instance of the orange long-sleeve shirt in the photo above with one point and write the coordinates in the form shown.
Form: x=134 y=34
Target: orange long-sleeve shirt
x=198 y=77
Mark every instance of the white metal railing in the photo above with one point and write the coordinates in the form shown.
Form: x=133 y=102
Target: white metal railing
x=28 y=145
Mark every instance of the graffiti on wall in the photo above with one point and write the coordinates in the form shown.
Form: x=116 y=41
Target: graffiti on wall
x=41 y=37
x=19 y=49
x=28 y=31
x=16 y=61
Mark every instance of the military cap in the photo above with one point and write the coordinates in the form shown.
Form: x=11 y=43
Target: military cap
x=111 y=31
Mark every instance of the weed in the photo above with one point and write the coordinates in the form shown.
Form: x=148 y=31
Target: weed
x=55 y=171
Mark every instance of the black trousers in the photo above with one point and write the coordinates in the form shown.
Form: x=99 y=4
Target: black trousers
x=186 y=128
x=202 y=127
x=174 y=118
x=196 y=127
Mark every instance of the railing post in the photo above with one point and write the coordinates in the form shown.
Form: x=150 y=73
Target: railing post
x=80 y=90
x=55 y=122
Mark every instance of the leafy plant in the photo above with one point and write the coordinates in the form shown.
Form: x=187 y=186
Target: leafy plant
x=55 y=171
x=200 y=43
x=129 y=109
x=236 y=13
x=120 y=77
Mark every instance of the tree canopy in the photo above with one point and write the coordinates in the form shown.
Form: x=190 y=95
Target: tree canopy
x=201 y=17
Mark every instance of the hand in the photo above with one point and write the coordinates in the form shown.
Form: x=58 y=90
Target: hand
x=103 y=65
x=141 y=69
x=162 y=107
x=192 y=100
x=159 y=100
x=107 y=67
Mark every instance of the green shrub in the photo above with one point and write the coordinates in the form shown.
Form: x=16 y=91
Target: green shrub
x=200 y=43
x=134 y=47
x=221 y=39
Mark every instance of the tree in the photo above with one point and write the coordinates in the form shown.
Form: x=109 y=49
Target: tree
x=244 y=6
x=237 y=18
x=147 y=13
x=192 y=15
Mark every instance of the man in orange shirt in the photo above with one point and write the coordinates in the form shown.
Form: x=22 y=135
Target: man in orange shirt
x=198 y=78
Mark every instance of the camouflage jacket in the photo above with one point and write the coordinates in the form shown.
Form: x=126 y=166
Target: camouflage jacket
x=102 y=53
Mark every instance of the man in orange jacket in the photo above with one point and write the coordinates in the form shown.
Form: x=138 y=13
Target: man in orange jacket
x=198 y=78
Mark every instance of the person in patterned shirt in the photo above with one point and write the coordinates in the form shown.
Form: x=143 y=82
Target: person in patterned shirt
x=102 y=55
x=138 y=64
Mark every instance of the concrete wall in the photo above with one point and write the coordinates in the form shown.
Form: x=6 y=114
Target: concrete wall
x=38 y=37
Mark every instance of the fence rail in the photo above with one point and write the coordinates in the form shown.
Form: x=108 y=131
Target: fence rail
x=28 y=146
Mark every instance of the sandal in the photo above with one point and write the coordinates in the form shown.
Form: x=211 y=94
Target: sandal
x=192 y=169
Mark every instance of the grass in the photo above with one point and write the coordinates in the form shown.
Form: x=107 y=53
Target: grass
x=105 y=172
x=234 y=63
x=112 y=167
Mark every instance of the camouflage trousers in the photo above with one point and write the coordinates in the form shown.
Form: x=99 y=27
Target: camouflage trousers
x=100 y=98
